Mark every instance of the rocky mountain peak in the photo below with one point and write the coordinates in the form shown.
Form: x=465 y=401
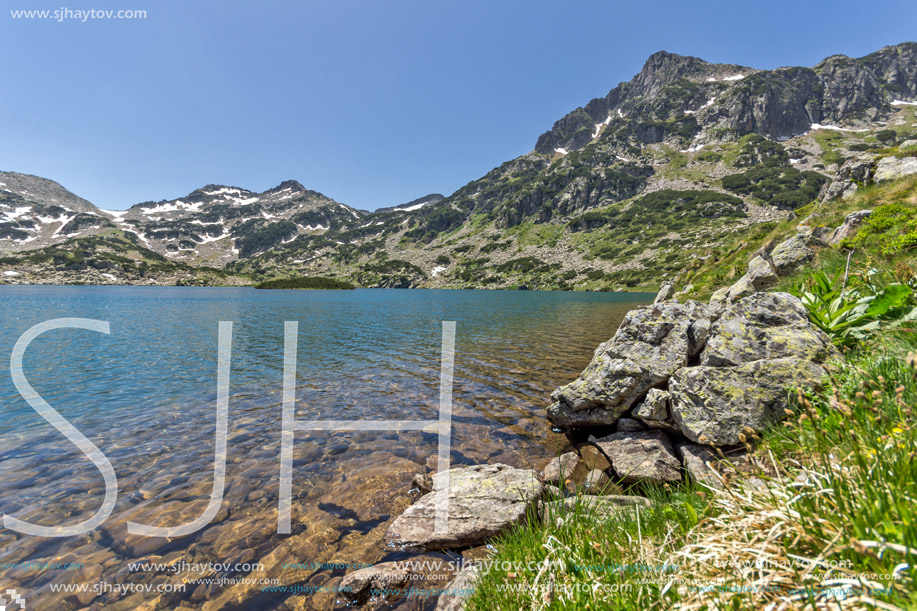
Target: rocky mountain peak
x=291 y=185
x=210 y=189
x=662 y=68
x=38 y=190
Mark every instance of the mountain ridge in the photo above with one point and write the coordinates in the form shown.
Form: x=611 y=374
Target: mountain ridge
x=616 y=194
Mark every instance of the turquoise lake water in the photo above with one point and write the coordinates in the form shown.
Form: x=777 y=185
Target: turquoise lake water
x=145 y=395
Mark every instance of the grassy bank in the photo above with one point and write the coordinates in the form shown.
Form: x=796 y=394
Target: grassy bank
x=833 y=521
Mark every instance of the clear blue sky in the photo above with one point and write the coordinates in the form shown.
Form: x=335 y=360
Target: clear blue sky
x=372 y=102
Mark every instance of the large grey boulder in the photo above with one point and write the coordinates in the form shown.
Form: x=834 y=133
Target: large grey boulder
x=602 y=393
x=665 y=292
x=699 y=461
x=892 y=168
x=840 y=189
x=651 y=343
x=850 y=226
x=853 y=172
x=765 y=326
x=482 y=501
x=814 y=236
x=654 y=407
x=858 y=168
x=715 y=404
x=720 y=297
x=850 y=175
x=791 y=254
x=743 y=287
x=645 y=456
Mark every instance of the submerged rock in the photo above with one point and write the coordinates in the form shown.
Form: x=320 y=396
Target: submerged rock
x=357 y=586
x=395 y=577
x=482 y=501
x=718 y=403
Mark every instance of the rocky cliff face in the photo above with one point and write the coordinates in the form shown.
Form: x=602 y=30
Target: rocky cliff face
x=629 y=189
x=737 y=100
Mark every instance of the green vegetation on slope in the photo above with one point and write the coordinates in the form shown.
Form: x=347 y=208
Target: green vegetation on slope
x=881 y=244
x=306 y=283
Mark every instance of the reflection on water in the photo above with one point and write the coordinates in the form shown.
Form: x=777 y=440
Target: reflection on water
x=145 y=395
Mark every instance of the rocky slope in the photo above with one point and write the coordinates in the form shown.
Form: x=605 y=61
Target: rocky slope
x=35 y=212
x=622 y=193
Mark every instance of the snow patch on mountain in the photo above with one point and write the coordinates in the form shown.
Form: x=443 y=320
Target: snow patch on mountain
x=415 y=207
x=816 y=126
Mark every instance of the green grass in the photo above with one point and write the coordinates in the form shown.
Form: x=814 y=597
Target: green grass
x=830 y=142
x=536 y=234
x=587 y=550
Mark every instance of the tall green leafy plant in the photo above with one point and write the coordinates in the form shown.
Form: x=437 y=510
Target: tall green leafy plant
x=850 y=314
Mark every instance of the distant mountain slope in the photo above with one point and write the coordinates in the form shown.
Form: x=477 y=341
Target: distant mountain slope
x=35 y=212
x=628 y=190
x=416 y=204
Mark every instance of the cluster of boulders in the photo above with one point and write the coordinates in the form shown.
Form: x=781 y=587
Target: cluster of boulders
x=678 y=385
x=865 y=169
x=677 y=380
x=771 y=262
